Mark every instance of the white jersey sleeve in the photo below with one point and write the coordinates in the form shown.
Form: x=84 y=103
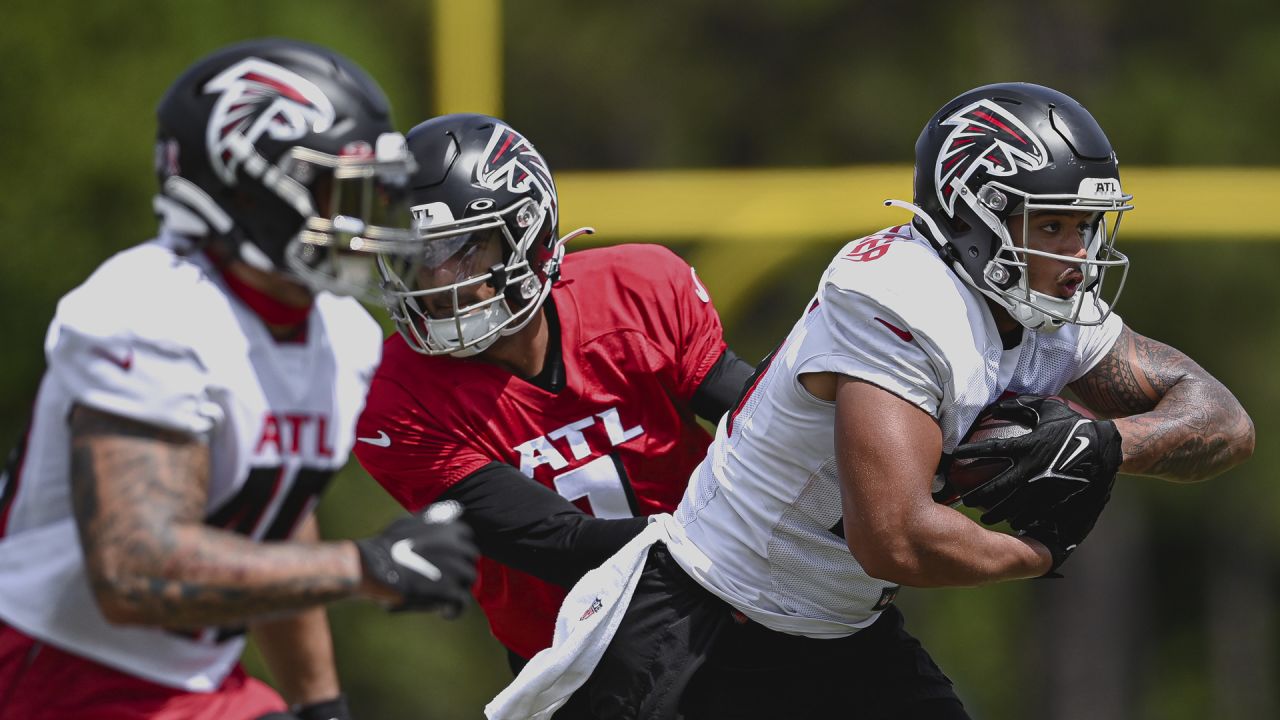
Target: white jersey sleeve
x=892 y=320
x=129 y=376
x=853 y=335
x=113 y=346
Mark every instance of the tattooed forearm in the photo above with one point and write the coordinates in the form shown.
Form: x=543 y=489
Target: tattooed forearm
x=214 y=577
x=139 y=494
x=1197 y=431
x=1177 y=421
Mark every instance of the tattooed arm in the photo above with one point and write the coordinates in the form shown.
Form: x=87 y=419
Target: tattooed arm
x=139 y=493
x=1176 y=421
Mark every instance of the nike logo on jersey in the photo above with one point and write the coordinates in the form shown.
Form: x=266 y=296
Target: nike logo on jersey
x=698 y=289
x=1084 y=443
x=402 y=552
x=383 y=440
x=124 y=363
x=903 y=335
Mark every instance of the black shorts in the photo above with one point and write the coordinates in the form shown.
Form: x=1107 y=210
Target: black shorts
x=680 y=653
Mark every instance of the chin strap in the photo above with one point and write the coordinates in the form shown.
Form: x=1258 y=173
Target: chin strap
x=945 y=250
x=178 y=219
x=186 y=210
x=182 y=201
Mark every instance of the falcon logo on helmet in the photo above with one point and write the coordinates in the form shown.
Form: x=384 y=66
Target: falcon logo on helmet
x=260 y=98
x=513 y=163
x=984 y=135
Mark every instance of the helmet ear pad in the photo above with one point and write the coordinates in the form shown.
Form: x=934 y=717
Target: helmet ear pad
x=972 y=244
x=261 y=215
x=539 y=253
x=517 y=292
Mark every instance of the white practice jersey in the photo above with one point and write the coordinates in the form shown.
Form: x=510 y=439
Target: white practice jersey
x=761 y=522
x=156 y=336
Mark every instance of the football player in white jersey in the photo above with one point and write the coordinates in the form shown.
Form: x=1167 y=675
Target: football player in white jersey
x=769 y=593
x=201 y=390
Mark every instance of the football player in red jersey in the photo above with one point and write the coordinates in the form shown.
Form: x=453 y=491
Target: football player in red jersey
x=201 y=390
x=525 y=382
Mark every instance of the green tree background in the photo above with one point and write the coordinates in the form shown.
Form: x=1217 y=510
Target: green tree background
x=1169 y=612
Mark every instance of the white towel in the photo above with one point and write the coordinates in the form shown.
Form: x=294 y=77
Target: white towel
x=587 y=622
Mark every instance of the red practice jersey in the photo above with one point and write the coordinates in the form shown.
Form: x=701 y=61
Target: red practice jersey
x=638 y=335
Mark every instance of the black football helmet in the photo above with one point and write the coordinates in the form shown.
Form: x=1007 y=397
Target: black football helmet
x=999 y=153
x=485 y=213
x=284 y=151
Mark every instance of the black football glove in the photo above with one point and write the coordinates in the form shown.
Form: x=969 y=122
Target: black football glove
x=428 y=558
x=335 y=709
x=1064 y=454
x=1065 y=526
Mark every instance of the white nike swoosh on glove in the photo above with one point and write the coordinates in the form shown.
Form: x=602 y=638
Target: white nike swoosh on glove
x=1084 y=443
x=402 y=552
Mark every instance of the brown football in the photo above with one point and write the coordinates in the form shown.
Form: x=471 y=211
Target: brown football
x=964 y=476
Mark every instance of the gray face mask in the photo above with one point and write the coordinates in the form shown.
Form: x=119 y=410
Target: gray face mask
x=447 y=293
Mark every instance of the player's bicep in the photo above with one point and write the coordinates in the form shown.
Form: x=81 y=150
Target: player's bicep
x=131 y=484
x=1133 y=376
x=887 y=450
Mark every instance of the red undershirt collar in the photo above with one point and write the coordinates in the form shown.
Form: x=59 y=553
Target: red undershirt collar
x=272 y=311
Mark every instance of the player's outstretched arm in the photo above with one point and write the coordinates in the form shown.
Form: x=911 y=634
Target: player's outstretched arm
x=529 y=527
x=139 y=494
x=1176 y=421
x=887 y=450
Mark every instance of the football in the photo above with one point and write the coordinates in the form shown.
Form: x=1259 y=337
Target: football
x=963 y=476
